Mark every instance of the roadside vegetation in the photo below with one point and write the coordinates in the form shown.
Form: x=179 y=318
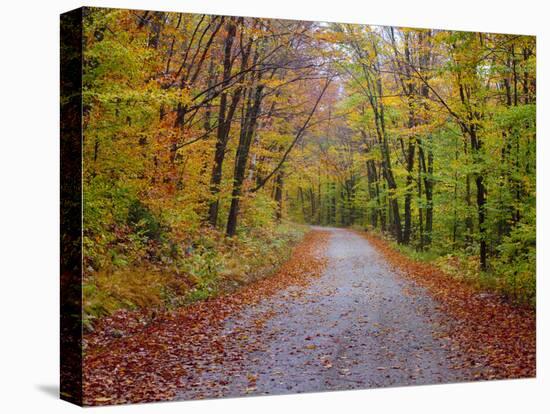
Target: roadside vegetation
x=148 y=266
x=516 y=286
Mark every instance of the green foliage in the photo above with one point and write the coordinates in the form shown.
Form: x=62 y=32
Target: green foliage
x=143 y=221
x=516 y=267
x=259 y=212
x=203 y=268
x=105 y=206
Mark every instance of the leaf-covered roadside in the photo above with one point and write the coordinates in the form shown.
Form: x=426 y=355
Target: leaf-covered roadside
x=154 y=361
x=491 y=331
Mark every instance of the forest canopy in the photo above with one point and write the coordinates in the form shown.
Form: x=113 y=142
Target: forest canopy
x=210 y=140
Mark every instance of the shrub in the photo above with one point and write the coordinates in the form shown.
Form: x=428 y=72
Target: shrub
x=142 y=219
x=516 y=267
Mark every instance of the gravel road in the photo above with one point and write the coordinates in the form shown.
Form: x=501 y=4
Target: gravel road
x=359 y=325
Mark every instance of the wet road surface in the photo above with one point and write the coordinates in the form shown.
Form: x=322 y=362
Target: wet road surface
x=359 y=325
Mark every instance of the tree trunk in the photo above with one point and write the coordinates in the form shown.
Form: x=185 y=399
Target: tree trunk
x=408 y=194
x=248 y=128
x=224 y=125
x=279 y=195
x=427 y=170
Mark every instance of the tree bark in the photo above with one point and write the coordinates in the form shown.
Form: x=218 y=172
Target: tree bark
x=248 y=128
x=225 y=117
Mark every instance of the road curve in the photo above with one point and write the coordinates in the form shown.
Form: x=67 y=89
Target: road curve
x=359 y=325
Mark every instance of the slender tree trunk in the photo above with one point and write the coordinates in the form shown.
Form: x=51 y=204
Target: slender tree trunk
x=373 y=193
x=313 y=207
x=279 y=195
x=420 y=214
x=408 y=194
x=427 y=171
x=429 y=196
x=318 y=213
x=302 y=204
x=481 y=218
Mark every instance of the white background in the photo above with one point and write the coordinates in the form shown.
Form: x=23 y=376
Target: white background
x=29 y=206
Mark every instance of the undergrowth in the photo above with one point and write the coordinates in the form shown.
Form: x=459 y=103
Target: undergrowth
x=148 y=274
x=509 y=276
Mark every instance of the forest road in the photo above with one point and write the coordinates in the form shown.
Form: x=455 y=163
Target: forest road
x=359 y=325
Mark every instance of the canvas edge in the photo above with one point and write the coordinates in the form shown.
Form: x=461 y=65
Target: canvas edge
x=71 y=206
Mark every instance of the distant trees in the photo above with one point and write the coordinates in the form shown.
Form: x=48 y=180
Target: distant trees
x=429 y=116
